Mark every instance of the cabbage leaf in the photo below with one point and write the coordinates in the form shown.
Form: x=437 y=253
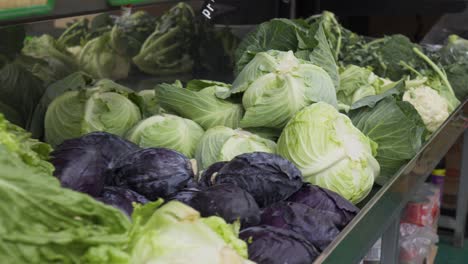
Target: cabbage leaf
x=398 y=130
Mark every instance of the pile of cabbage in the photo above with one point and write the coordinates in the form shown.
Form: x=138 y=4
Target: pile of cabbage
x=246 y=201
x=266 y=168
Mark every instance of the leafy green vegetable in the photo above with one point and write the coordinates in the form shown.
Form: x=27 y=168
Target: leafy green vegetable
x=214 y=49
x=223 y=144
x=203 y=106
x=100 y=60
x=74 y=81
x=357 y=83
x=75 y=34
x=168 y=50
x=167 y=131
x=106 y=106
x=31 y=152
x=385 y=56
x=130 y=31
x=148 y=103
x=276 y=85
x=333 y=30
x=276 y=34
x=49 y=57
x=202 y=240
x=398 y=130
x=454 y=57
x=308 y=42
x=330 y=151
x=20 y=91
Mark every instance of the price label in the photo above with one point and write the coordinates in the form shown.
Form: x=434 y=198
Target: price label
x=208 y=9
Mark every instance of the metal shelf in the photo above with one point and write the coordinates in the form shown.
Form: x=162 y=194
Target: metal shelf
x=379 y=215
x=70 y=8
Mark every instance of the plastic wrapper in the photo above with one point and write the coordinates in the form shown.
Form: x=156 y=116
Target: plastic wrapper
x=424 y=208
x=415 y=243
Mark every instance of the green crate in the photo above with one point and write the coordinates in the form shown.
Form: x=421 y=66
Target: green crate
x=19 y=12
x=128 y=2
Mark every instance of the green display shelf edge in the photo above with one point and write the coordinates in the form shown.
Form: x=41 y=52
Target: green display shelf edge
x=12 y=13
x=127 y=2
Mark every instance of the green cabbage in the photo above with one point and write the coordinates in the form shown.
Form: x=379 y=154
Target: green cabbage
x=308 y=42
x=167 y=131
x=100 y=60
x=104 y=107
x=201 y=106
x=175 y=233
x=276 y=85
x=357 y=83
x=130 y=31
x=223 y=144
x=168 y=50
x=330 y=151
x=47 y=59
x=20 y=91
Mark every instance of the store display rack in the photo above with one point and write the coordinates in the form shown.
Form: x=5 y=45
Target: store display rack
x=380 y=215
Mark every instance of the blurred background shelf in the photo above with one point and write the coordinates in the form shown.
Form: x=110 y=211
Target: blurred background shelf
x=70 y=8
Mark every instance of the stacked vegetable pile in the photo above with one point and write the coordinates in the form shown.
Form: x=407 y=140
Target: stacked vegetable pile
x=110 y=47
x=267 y=168
x=262 y=193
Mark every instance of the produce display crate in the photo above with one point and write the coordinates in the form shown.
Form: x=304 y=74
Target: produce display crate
x=17 y=9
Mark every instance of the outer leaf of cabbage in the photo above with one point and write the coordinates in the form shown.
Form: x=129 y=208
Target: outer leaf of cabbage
x=148 y=103
x=167 y=131
x=202 y=107
x=397 y=128
x=223 y=144
x=330 y=151
x=277 y=85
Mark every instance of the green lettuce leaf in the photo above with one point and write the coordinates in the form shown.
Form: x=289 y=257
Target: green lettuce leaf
x=47 y=223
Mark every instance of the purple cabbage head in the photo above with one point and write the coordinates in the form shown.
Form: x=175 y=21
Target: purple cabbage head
x=318 y=227
x=269 y=178
x=184 y=196
x=325 y=200
x=271 y=245
x=229 y=202
x=81 y=163
x=153 y=172
x=121 y=198
x=206 y=176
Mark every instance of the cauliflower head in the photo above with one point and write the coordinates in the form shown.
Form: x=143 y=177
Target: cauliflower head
x=431 y=106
